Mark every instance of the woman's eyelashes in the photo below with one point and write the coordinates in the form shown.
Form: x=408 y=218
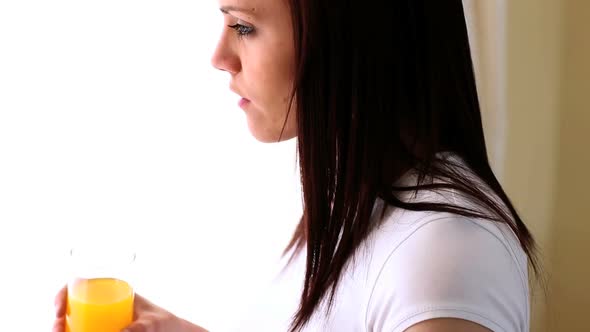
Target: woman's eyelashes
x=241 y=29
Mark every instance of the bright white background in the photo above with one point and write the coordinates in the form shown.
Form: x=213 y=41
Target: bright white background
x=114 y=127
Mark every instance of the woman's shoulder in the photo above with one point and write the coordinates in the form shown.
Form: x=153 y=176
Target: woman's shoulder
x=434 y=230
x=428 y=265
x=398 y=226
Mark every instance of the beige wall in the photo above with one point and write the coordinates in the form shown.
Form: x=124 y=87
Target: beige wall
x=533 y=97
x=569 y=303
x=534 y=61
x=548 y=136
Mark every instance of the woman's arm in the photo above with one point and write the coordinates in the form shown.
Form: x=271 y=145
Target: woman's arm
x=447 y=325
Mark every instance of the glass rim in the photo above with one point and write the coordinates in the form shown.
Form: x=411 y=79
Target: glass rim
x=103 y=255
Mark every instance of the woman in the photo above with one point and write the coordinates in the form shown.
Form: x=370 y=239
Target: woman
x=405 y=227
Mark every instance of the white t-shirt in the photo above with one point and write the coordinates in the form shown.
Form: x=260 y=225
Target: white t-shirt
x=416 y=266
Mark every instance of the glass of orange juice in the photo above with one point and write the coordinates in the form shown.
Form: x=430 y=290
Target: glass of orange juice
x=100 y=295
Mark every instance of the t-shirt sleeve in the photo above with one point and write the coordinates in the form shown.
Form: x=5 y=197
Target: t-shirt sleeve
x=450 y=268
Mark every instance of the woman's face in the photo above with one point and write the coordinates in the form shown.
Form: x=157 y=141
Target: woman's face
x=256 y=48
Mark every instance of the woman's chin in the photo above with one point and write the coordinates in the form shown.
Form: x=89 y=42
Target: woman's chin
x=266 y=135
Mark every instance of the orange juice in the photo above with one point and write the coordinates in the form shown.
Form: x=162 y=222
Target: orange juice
x=99 y=305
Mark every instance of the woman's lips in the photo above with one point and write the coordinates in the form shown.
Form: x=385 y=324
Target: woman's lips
x=243 y=103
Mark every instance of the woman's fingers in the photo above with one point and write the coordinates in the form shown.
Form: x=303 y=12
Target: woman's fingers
x=145 y=324
x=60 y=310
x=59 y=325
x=60 y=302
x=140 y=305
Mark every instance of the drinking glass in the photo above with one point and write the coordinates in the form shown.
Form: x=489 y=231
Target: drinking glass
x=100 y=293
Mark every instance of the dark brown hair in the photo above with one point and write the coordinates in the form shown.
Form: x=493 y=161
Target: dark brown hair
x=381 y=88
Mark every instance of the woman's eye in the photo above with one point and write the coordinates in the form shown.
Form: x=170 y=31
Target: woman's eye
x=242 y=30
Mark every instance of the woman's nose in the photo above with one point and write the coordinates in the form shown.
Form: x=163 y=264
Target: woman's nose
x=225 y=58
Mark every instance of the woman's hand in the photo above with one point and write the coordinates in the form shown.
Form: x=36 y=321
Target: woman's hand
x=147 y=317
x=60 y=310
x=151 y=318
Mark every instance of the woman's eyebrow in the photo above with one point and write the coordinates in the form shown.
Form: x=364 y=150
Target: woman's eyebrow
x=227 y=9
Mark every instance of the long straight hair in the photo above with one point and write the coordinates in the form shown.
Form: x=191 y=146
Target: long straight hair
x=381 y=87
